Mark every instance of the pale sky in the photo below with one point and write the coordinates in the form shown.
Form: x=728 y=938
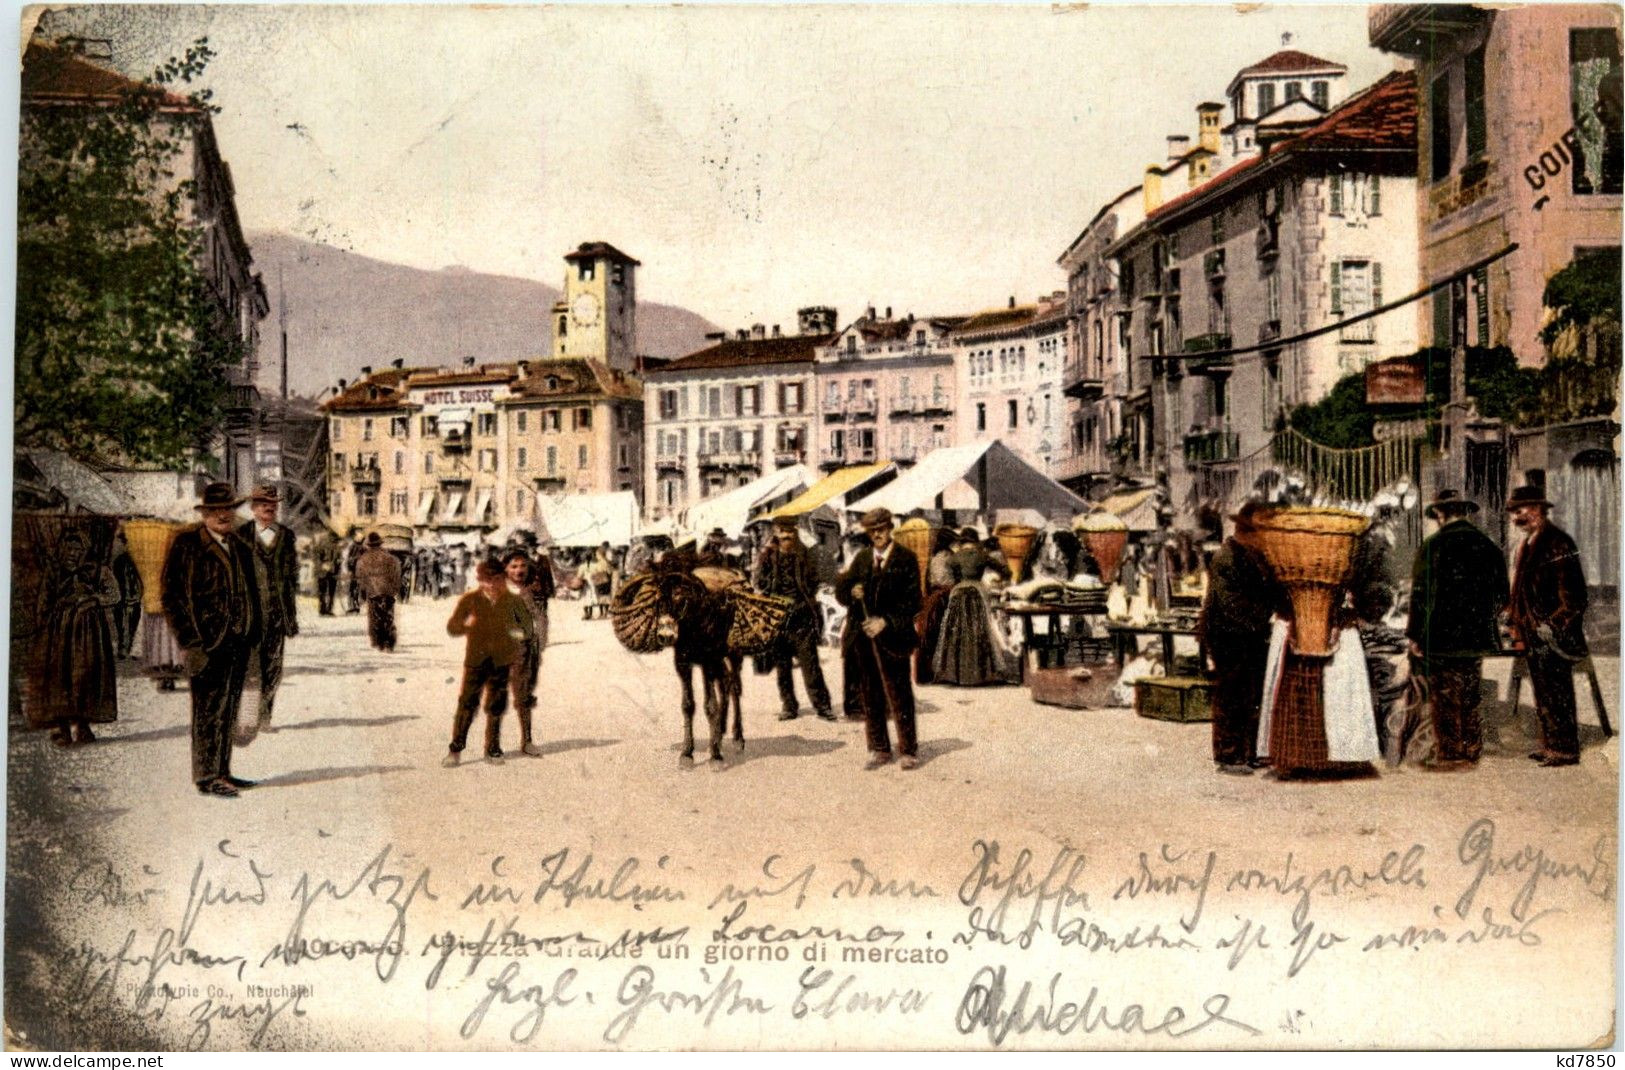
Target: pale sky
x=755 y=159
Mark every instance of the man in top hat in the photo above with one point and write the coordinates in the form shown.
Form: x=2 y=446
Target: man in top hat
x=786 y=570
x=1547 y=611
x=378 y=573
x=881 y=588
x=1458 y=588
x=211 y=598
x=276 y=570
x=1233 y=633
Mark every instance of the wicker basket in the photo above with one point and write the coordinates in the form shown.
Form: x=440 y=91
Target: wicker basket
x=1016 y=540
x=1311 y=552
x=757 y=621
x=916 y=535
x=149 y=542
x=634 y=613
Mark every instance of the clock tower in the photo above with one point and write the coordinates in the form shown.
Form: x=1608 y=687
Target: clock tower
x=596 y=317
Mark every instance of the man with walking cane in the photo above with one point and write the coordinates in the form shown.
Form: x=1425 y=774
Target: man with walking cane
x=881 y=589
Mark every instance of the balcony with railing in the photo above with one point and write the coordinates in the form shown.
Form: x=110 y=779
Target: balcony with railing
x=905 y=453
x=368 y=476
x=1361 y=333
x=669 y=462
x=832 y=457
x=1211 y=447
x=1092 y=463
x=1083 y=379
x=863 y=408
x=938 y=404
x=834 y=409
x=784 y=458
x=905 y=405
x=732 y=460
x=1199 y=350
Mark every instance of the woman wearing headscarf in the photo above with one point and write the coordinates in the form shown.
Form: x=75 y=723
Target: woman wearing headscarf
x=75 y=686
x=967 y=652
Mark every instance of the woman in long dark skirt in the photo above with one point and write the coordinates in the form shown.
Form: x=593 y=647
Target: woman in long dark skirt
x=967 y=653
x=939 y=581
x=75 y=687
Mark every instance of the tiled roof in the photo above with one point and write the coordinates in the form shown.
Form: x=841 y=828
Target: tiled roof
x=1383 y=117
x=1290 y=61
x=751 y=352
x=388 y=389
x=999 y=319
x=593 y=250
x=54 y=73
x=883 y=330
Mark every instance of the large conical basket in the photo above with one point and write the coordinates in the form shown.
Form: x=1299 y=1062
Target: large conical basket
x=1016 y=540
x=149 y=542
x=915 y=535
x=1311 y=552
x=1106 y=536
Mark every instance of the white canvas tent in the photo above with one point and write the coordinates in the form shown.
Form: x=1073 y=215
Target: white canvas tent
x=732 y=509
x=982 y=478
x=588 y=519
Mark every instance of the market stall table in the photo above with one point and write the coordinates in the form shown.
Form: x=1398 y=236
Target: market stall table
x=1055 y=639
x=1124 y=634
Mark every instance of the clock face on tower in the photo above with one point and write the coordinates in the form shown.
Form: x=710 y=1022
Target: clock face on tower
x=584 y=310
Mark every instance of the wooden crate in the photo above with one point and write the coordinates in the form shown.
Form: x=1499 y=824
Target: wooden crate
x=1062 y=687
x=1172 y=698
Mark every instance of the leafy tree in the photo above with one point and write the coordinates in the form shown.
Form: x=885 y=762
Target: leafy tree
x=1586 y=290
x=1341 y=419
x=121 y=345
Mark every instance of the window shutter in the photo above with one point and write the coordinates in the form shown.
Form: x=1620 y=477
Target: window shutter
x=783 y=393
x=1337 y=194
x=1376 y=284
x=1337 y=288
x=1376 y=195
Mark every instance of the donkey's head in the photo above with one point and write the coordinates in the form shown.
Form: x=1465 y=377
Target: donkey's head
x=678 y=603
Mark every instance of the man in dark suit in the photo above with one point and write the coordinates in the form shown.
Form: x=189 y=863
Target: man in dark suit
x=881 y=590
x=212 y=601
x=276 y=569
x=786 y=570
x=325 y=562
x=1547 y=612
x=1458 y=588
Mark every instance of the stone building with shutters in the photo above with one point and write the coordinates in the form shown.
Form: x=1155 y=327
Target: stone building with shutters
x=731 y=412
x=887 y=390
x=1009 y=363
x=1308 y=232
x=465 y=451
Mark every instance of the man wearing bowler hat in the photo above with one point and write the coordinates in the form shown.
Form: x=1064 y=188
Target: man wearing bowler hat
x=786 y=570
x=1547 y=611
x=276 y=570
x=881 y=589
x=1458 y=589
x=378 y=573
x=212 y=601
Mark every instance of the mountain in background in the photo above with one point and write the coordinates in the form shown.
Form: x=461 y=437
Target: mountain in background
x=346 y=311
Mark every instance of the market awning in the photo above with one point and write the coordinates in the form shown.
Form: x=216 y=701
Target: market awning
x=1136 y=508
x=986 y=477
x=733 y=509
x=448 y=417
x=57 y=478
x=838 y=484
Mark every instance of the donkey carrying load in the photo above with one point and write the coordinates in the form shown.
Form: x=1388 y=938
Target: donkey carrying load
x=710 y=618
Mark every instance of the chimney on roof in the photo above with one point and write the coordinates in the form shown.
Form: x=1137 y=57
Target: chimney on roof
x=524 y=368
x=1152 y=188
x=741 y=335
x=1178 y=145
x=776 y=332
x=398 y=363
x=758 y=331
x=888 y=312
x=366 y=370
x=717 y=336
x=342 y=384
x=1012 y=300
x=1208 y=115
x=468 y=362
x=870 y=314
